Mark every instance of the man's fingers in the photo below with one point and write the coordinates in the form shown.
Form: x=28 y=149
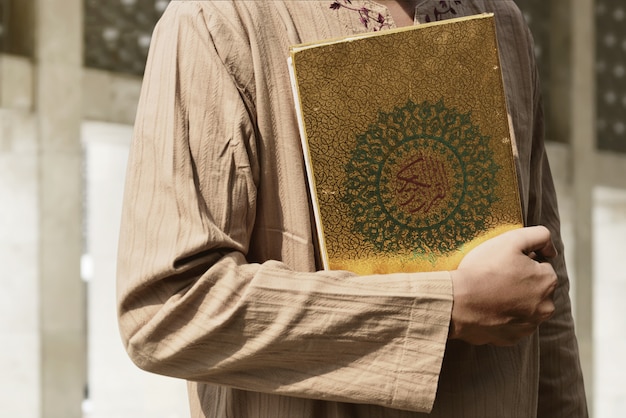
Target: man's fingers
x=537 y=242
x=546 y=308
x=548 y=251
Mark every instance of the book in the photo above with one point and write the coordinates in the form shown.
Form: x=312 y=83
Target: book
x=407 y=145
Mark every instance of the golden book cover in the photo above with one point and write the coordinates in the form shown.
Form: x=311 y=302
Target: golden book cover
x=407 y=145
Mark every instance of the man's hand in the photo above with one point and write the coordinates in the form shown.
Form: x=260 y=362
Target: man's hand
x=502 y=289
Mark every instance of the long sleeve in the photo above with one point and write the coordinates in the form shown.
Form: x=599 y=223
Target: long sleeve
x=561 y=388
x=191 y=302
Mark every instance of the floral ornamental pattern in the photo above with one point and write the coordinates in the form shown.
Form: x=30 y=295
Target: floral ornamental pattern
x=376 y=21
x=422 y=177
x=369 y=18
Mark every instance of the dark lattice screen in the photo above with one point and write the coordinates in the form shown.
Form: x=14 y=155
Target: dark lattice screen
x=16 y=23
x=611 y=74
x=2 y=24
x=610 y=24
x=118 y=32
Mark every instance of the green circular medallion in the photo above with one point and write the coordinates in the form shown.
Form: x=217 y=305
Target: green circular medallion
x=422 y=177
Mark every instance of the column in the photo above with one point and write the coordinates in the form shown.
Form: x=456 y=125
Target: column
x=58 y=95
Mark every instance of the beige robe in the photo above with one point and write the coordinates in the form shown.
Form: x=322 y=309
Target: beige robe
x=217 y=281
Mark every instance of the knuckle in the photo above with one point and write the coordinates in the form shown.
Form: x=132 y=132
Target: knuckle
x=547 y=312
x=554 y=278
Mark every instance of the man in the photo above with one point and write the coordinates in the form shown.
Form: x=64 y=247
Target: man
x=217 y=281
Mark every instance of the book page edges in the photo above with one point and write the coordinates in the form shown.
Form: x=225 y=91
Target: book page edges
x=308 y=163
x=502 y=90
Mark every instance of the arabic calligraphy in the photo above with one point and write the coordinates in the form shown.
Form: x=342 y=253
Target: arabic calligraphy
x=421 y=184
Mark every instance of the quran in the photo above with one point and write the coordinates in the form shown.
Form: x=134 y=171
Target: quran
x=407 y=145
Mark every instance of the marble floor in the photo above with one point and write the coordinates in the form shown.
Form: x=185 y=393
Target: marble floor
x=117 y=389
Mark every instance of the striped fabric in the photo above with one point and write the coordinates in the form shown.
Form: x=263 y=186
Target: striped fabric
x=216 y=269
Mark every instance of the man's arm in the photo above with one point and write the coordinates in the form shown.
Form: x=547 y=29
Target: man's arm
x=190 y=303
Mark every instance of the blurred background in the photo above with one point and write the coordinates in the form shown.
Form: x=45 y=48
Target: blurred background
x=70 y=74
